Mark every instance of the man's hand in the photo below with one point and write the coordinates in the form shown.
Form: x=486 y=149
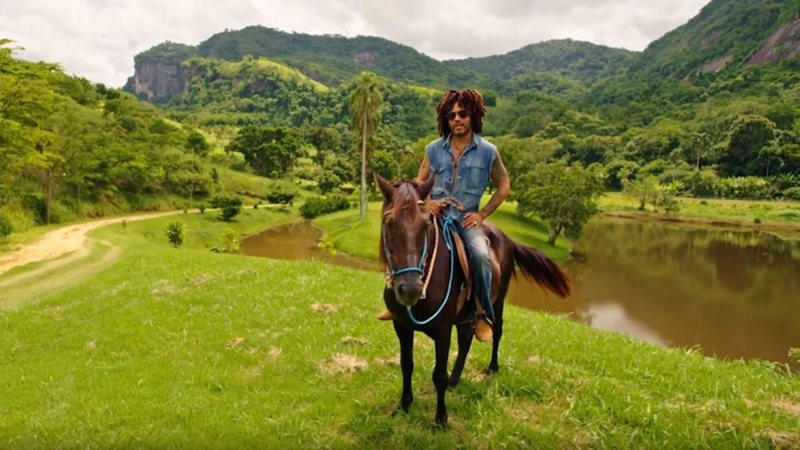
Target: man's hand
x=472 y=220
x=435 y=206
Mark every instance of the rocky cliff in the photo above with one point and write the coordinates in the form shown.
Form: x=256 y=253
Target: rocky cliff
x=157 y=80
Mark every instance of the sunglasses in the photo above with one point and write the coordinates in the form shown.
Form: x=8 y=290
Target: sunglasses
x=452 y=114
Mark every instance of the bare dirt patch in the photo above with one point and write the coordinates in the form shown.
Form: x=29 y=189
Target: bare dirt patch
x=341 y=363
x=325 y=308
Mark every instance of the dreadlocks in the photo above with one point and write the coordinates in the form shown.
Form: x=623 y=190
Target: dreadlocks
x=470 y=100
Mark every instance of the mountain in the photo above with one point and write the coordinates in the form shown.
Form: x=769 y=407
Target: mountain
x=582 y=61
x=333 y=60
x=746 y=47
x=726 y=34
x=328 y=59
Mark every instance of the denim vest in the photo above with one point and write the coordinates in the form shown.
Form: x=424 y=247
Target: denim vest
x=474 y=172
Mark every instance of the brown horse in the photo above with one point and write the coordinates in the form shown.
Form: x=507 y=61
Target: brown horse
x=425 y=284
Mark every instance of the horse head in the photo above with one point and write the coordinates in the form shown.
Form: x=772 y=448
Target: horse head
x=404 y=236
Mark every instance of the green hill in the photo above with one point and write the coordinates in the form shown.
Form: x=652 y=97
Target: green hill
x=581 y=61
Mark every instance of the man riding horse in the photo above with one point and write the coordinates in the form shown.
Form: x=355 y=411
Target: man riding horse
x=463 y=163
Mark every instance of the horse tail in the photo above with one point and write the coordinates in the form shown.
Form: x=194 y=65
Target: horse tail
x=541 y=269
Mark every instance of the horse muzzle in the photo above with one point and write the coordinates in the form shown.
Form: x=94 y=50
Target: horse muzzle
x=408 y=289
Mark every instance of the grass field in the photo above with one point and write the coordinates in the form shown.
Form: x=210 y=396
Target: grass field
x=185 y=348
x=751 y=213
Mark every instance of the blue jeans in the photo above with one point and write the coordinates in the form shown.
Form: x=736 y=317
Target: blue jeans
x=478 y=247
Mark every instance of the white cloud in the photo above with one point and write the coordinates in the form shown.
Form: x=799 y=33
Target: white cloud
x=97 y=39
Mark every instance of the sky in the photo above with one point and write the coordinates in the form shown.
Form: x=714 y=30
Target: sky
x=97 y=39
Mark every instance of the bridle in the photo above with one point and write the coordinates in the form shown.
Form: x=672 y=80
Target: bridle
x=447 y=229
x=392 y=272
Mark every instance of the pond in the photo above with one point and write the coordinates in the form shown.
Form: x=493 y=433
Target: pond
x=733 y=293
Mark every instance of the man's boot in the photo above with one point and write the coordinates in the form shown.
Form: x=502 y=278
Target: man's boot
x=483 y=330
x=386 y=315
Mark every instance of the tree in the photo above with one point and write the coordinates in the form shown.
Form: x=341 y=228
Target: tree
x=196 y=143
x=365 y=101
x=270 y=151
x=643 y=188
x=748 y=134
x=562 y=195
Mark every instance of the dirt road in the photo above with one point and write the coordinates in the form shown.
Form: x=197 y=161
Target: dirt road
x=61 y=241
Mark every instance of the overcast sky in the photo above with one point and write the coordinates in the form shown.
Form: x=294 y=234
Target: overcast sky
x=97 y=39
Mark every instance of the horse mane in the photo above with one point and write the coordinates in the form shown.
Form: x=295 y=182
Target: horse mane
x=405 y=198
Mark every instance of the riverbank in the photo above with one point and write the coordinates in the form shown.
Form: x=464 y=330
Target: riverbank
x=782 y=217
x=184 y=348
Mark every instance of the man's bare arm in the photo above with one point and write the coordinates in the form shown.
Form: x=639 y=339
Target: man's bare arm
x=501 y=181
x=424 y=170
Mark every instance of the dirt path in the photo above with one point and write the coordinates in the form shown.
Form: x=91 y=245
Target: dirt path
x=61 y=241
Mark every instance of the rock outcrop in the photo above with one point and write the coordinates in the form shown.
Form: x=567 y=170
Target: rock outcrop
x=157 y=80
x=785 y=43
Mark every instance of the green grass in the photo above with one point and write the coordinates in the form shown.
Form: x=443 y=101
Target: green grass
x=345 y=232
x=184 y=348
x=780 y=214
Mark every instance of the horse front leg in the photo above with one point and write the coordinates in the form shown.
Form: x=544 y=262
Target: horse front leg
x=440 y=374
x=405 y=336
x=464 y=343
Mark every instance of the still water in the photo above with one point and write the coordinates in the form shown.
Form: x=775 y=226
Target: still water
x=733 y=293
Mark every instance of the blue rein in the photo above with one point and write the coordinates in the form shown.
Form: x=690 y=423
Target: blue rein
x=447 y=229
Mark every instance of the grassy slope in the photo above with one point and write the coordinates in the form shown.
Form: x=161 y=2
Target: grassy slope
x=771 y=214
x=186 y=348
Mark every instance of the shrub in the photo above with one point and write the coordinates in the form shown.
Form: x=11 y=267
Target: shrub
x=281 y=194
x=5 y=226
x=175 y=233
x=229 y=242
x=317 y=206
x=754 y=188
x=702 y=183
x=792 y=193
x=229 y=206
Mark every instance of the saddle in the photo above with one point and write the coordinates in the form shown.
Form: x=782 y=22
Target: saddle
x=463 y=261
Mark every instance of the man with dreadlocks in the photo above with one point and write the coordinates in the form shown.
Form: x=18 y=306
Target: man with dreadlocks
x=463 y=164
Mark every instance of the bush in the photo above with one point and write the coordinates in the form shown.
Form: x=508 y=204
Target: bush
x=317 y=206
x=754 y=188
x=229 y=242
x=229 y=206
x=5 y=226
x=792 y=193
x=281 y=194
x=702 y=183
x=175 y=233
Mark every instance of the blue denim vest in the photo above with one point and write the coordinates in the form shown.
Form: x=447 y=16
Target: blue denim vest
x=474 y=171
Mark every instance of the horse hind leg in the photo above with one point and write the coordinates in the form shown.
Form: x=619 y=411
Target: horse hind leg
x=497 y=332
x=464 y=331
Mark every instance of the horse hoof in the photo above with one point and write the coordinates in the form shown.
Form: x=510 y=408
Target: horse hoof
x=400 y=409
x=441 y=423
x=491 y=370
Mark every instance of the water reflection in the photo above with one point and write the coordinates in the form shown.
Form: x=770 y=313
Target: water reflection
x=733 y=293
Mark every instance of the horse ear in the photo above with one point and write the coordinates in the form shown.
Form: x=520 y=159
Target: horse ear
x=426 y=186
x=385 y=187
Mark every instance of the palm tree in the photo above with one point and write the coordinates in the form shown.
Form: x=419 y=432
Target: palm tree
x=365 y=101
